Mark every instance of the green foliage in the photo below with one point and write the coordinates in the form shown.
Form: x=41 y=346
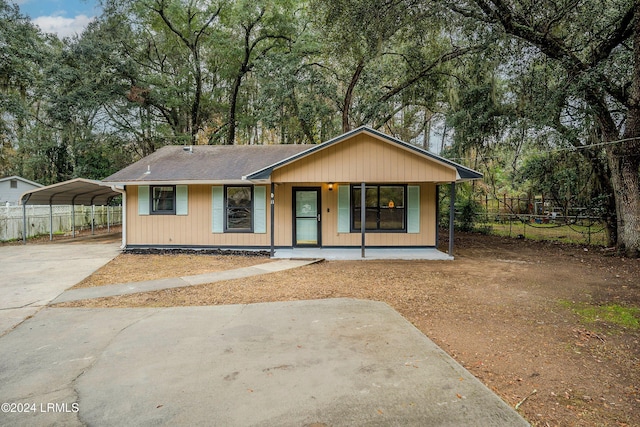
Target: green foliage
x=468 y=210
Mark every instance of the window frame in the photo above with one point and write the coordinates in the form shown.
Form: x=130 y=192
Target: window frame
x=352 y=209
x=153 y=211
x=251 y=208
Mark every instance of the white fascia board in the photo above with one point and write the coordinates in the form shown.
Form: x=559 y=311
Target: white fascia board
x=177 y=182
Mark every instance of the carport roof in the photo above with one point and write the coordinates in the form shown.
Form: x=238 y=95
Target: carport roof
x=79 y=191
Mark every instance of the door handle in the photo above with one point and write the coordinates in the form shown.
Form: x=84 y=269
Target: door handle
x=318 y=217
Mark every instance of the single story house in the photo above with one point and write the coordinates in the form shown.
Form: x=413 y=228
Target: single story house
x=12 y=187
x=286 y=196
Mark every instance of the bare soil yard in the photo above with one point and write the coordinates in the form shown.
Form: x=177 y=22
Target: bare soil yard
x=518 y=314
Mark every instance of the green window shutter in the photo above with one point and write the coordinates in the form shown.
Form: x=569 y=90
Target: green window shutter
x=182 y=200
x=260 y=210
x=217 y=211
x=143 y=200
x=344 y=209
x=413 y=209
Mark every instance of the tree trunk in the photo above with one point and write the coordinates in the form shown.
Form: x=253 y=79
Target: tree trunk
x=626 y=184
x=348 y=97
x=233 y=101
x=625 y=162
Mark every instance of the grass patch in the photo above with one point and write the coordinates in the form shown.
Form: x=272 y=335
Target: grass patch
x=628 y=317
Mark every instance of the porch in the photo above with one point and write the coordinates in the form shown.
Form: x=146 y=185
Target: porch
x=347 y=254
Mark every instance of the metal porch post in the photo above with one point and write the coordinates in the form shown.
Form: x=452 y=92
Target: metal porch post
x=273 y=209
x=437 y=215
x=363 y=215
x=452 y=212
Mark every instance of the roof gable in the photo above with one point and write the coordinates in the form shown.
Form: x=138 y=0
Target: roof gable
x=19 y=178
x=462 y=173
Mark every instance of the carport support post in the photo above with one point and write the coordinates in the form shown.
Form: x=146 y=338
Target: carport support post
x=452 y=213
x=50 y=221
x=363 y=214
x=24 y=222
x=93 y=218
x=73 y=221
x=273 y=208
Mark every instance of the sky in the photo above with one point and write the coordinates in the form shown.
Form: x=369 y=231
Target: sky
x=63 y=17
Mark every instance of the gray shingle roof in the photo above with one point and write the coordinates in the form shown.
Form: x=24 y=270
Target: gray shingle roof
x=217 y=163
x=205 y=163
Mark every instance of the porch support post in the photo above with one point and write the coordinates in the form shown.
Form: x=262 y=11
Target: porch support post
x=452 y=212
x=437 y=215
x=273 y=209
x=363 y=215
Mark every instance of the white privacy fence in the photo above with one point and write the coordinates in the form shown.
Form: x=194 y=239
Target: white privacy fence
x=43 y=220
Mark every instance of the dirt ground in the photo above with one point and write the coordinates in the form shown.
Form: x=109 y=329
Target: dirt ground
x=504 y=309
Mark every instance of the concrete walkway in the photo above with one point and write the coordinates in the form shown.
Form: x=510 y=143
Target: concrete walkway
x=179 y=282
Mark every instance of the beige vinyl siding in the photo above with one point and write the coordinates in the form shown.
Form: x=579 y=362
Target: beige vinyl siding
x=364 y=158
x=191 y=229
x=194 y=229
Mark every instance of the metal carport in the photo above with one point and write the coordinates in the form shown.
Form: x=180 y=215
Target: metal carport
x=78 y=191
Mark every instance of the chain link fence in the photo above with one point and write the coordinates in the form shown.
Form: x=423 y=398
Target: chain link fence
x=528 y=218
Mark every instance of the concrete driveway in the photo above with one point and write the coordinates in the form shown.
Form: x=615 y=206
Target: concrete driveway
x=338 y=362
x=32 y=275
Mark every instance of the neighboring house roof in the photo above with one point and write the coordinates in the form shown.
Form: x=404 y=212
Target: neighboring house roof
x=19 y=178
x=463 y=173
x=238 y=163
x=203 y=163
x=77 y=191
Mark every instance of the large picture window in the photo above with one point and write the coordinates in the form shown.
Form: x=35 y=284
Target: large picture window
x=163 y=200
x=384 y=208
x=239 y=208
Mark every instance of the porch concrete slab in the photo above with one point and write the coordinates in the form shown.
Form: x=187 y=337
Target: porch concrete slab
x=354 y=254
x=33 y=275
x=339 y=362
x=178 y=282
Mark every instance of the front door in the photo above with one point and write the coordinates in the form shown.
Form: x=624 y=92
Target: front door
x=306 y=217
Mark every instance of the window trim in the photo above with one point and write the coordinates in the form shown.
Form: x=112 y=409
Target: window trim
x=226 y=228
x=352 y=208
x=13 y=184
x=164 y=211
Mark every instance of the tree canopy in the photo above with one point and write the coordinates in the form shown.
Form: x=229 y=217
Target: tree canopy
x=541 y=96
